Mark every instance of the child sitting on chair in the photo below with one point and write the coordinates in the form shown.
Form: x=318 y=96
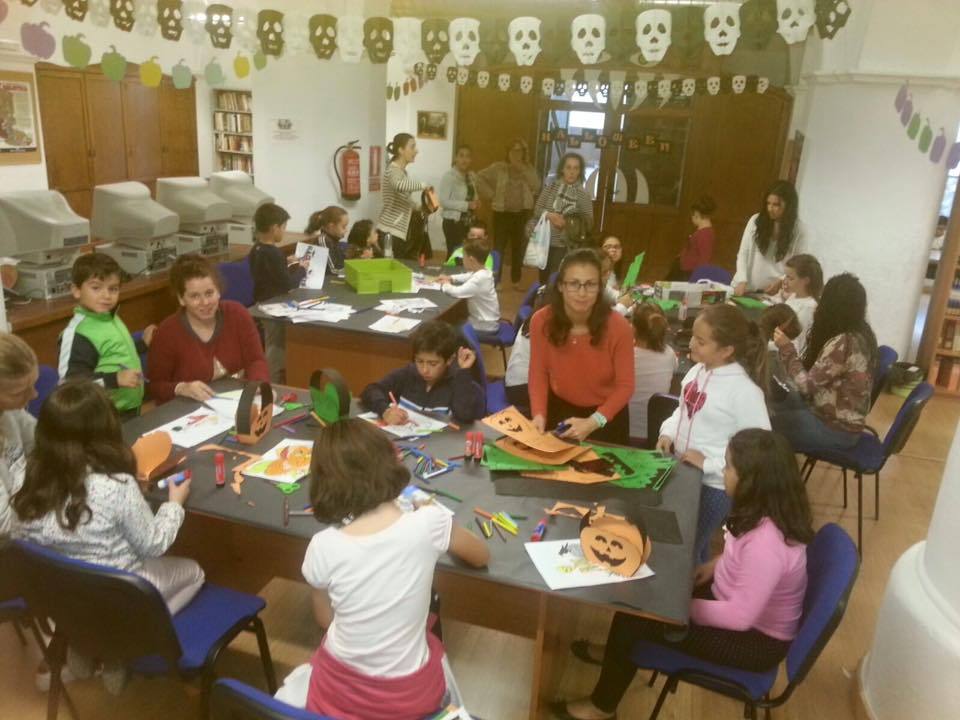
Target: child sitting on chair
x=477 y=286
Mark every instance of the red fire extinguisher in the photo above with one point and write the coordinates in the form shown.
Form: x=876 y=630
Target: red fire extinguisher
x=346 y=164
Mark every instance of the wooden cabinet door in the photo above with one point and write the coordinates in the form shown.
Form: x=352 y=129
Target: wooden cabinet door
x=141 y=120
x=108 y=152
x=178 y=129
x=61 y=100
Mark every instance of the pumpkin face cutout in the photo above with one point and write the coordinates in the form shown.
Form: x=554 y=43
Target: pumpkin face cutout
x=254 y=419
x=329 y=395
x=613 y=543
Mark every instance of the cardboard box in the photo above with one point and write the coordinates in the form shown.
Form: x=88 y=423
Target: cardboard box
x=697 y=294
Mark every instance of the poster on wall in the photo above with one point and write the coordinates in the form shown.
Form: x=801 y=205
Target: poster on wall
x=431 y=125
x=19 y=138
x=283 y=129
x=376 y=158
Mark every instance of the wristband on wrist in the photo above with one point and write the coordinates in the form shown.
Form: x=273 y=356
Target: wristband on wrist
x=599 y=419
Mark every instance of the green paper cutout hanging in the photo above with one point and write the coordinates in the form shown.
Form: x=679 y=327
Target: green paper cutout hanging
x=749 y=302
x=151 y=74
x=241 y=66
x=181 y=75
x=213 y=74
x=329 y=395
x=633 y=272
x=914 y=128
x=926 y=137
x=75 y=51
x=113 y=64
x=259 y=60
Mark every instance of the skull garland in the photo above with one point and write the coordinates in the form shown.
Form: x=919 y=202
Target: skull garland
x=406 y=42
x=654 y=30
x=75 y=9
x=296 y=35
x=431 y=71
x=435 y=38
x=689 y=87
x=219 y=25
x=831 y=16
x=794 y=19
x=721 y=27
x=245 y=30
x=762 y=84
x=170 y=18
x=739 y=84
x=194 y=19
x=323 y=35
x=463 y=75
x=350 y=38
x=547 y=86
x=146 y=17
x=270 y=32
x=526 y=84
x=525 y=39
x=588 y=37
x=464 y=40
x=713 y=85
x=483 y=79
x=378 y=38
x=503 y=82
x=99 y=12
x=52 y=6
x=123 y=14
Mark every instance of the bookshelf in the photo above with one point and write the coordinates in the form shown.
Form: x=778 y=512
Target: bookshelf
x=233 y=130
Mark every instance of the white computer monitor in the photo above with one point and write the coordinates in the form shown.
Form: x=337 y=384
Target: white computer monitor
x=237 y=188
x=38 y=226
x=193 y=201
x=125 y=211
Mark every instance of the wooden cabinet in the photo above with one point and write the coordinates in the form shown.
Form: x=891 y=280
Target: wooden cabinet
x=97 y=131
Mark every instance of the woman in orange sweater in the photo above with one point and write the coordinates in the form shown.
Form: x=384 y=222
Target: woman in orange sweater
x=581 y=357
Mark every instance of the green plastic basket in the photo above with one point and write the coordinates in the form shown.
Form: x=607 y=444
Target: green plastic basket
x=374 y=276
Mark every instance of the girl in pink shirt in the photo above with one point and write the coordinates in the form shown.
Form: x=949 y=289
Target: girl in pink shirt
x=747 y=601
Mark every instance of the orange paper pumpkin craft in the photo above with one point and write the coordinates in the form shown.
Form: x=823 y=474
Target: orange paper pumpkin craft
x=614 y=543
x=152 y=452
x=254 y=419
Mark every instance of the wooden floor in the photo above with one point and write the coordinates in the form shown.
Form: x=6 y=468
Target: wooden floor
x=493 y=669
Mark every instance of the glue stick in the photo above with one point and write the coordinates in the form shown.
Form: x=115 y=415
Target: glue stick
x=468 y=448
x=478 y=446
x=220 y=468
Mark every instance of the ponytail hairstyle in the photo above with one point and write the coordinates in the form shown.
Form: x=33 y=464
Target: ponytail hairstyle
x=650 y=326
x=808 y=268
x=78 y=432
x=768 y=485
x=558 y=327
x=763 y=235
x=842 y=310
x=730 y=328
x=398 y=143
x=320 y=219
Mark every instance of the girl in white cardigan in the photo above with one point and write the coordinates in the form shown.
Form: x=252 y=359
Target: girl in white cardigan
x=18 y=375
x=720 y=395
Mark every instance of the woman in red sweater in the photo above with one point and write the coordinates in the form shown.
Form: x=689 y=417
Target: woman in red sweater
x=581 y=357
x=207 y=339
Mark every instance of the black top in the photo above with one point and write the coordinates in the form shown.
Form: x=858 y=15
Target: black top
x=456 y=392
x=335 y=257
x=271 y=275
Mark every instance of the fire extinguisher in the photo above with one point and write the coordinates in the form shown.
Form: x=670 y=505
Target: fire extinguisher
x=346 y=164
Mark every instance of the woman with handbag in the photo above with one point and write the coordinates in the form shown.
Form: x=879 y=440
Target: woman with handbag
x=458 y=196
x=394 y=222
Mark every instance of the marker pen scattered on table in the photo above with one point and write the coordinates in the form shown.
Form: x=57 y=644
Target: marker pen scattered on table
x=478 y=446
x=468 y=447
x=220 y=468
x=539 y=531
x=483 y=532
x=179 y=479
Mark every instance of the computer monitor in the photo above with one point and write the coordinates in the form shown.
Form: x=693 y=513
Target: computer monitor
x=237 y=188
x=38 y=226
x=126 y=212
x=193 y=201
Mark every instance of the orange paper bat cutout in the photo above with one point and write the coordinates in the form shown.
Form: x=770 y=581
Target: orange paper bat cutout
x=512 y=423
x=517 y=448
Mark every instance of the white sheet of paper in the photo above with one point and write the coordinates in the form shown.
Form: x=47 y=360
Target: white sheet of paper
x=562 y=566
x=417 y=424
x=278 y=309
x=319 y=315
x=394 y=325
x=317 y=268
x=411 y=305
x=197 y=427
x=423 y=282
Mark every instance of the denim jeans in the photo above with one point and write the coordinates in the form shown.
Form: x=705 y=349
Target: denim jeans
x=797 y=422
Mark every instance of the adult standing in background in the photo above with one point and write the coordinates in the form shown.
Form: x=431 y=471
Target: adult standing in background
x=772 y=236
x=698 y=249
x=513 y=185
x=566 y=203
x=394 y=220
x=458 y=197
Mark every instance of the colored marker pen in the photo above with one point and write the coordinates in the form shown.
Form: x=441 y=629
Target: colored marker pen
x=539 y=531
x=478 y=446
x=220 y=467
x=561 y=428
x=178 y=479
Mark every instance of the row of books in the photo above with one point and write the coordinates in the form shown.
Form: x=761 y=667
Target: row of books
x=232 y=123
x=227 y=100
x=235 y=143
x=236 y=162
x=946 y=373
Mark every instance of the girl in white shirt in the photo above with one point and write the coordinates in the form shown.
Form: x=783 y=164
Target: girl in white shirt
x=654 y=363
x=771 y=237
x=372 y=580
x=720 y=395
x=802 y=285
x=18 y=376
x=518 y=366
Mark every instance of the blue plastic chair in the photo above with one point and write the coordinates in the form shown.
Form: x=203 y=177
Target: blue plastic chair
x=526 y=305
x=504 y=337
x=660 y=406
x=237 y=281
x=832 y=566
x=870 y=454
x=497 y=264
x=495 y=392
x=46 y=382
x=886 y=357
x=118 y=616
x=711 y=272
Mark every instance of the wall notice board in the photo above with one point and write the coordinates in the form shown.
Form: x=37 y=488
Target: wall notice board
x=19 y=128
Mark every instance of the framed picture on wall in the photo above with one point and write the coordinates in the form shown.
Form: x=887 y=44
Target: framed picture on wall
x=431 y=125
x=19 y=133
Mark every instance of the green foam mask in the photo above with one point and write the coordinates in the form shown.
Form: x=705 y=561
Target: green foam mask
x=329 y=395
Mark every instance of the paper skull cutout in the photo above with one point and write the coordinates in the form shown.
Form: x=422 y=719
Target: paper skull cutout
x=639 y=92
x=721 y=27
x=739 y=83
x=559 y=88
x=794 y=19
x=435 y=39
x=323 y=35
x=463 y=74
x=452 y=74
x=689 y=87
x=654 y=34
x=547 y=86
x=296 y=35
x=270 y=32
x=123 y=14
x=245 y=30
x=525 y=39
x=483 y=78
x=99 y=12
x=219 y=25
x=588 y=37
x=503 y=82
x=713 y=85
x=75 y=9
x=431 y=71
x=350 y=38
x=378 y=38
x=465 y=40
x=613 y=542
x=762 y=84
x=615 y=94
x=52 y=6
x=145 y=12
x=831 y=16
x=664 y=91
x=170 y=19
x=406 y=42
x=526 y=84
x=194 y=21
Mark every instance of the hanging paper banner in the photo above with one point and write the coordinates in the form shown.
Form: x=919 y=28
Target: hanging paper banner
x=376 y=161
x=37 y=41
x=574 y=141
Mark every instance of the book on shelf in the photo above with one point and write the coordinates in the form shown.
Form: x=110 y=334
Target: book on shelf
x=230 y=100
x=954 y=377
x=944 y=369
x=935 y=369
x=949 y=334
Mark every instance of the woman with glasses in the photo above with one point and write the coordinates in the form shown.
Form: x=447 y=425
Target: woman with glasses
x=512 y=184
x=581 y=358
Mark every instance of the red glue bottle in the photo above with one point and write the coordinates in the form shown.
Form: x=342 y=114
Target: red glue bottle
x=220 y=467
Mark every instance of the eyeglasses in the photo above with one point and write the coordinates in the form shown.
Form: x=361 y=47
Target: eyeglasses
x=591 y=286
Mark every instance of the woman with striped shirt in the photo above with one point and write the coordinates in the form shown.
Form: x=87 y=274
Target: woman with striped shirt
x=397 y=206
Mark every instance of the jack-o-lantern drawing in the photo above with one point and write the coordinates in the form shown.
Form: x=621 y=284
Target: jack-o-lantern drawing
x=254 y=419
x=613 y=542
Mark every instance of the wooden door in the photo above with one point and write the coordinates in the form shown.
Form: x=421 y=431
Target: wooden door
x=61 y=100
x=141 y=120
x=108 y=152
x=178 y=130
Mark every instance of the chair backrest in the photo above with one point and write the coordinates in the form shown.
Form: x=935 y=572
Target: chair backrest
x=46 y=382
x=233 y=700
x=529 y=295
x=711 y=272
x=237 y=281
x=102 y=612
x=906 y=420
x=138 y=337
x=470 y=335
x=886 y=357
x=660 y=406
x=832 y=565
x=497 y=260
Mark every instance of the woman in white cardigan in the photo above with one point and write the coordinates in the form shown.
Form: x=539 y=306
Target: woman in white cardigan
x=397 y=207
x=772 y=236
